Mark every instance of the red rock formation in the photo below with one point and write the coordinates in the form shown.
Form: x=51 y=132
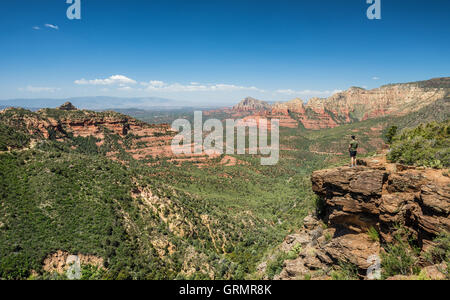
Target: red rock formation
x=382 y=195
x=375 y=195
x=355 y=104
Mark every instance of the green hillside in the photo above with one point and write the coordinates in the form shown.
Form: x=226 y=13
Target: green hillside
x=160 y=220
x=426 y=145
x=203 y=223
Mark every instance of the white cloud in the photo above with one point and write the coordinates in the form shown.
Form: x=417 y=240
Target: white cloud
x=52 y=26
x=38 y=89
x=115 y=79
x=157 y=85
x=124 y=88
x=291 y=92
x=36 y=28
x=123 y=83
x=154 y=83
x=375 y=78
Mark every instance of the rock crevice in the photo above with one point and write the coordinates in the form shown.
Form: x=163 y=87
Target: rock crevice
x=356 y=202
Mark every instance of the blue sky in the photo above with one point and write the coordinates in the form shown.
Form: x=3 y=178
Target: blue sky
x=216 y=52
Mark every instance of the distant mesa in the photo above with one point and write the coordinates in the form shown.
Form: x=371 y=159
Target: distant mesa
x=354 y=105
x=250 y=104
x=67 y=106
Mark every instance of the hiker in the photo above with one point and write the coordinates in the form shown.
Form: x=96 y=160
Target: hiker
x=352 y=148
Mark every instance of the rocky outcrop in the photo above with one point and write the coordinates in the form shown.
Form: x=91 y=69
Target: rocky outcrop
x=251 y=104
x=356 y=202
x=142 y=141
x=67 y=106
x=382 y=195
x=360 y=104
x=355 y=104
x=61 y=261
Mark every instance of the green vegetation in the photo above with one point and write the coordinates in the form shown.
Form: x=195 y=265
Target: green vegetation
x=373 y=234
x=345 y=271
x=440 y=252
x=401 y=257
x=159 y=116
x=54 y=200
x=12 y=138
x=275 y=266
x=426 y=145
x=63 y=193
x=293 y=254
x=438 y=111
x=389 y=135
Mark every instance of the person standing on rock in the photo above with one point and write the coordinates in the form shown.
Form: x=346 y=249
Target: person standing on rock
x=352 y=148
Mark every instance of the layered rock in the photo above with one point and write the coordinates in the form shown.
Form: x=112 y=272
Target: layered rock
x=374 y=196
x=360 y=104
x=383 y=195
x=355 y=104
x=143 y=141
x=47 y=122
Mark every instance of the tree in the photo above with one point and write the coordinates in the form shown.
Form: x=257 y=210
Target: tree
x=391 y=132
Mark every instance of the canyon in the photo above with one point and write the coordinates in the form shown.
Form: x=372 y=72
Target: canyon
x=194 y=216
x=364 y=209
x=355 y=104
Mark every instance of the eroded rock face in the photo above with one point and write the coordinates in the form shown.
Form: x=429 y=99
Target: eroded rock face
x=60 y=261
x=376 y=194
x=322 y=249
x=353 y=248
x=355 y=104
x=358 y=198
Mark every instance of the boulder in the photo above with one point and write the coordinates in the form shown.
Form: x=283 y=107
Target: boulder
x=353 y=248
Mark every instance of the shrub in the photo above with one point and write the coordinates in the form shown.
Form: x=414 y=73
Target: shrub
x=275 y=266
x=373 y=234
x=328 y=236
x=400 y=257
x=390 y=133
x=293 y=254
x=440 y=253
x=345 y=271
x=426 y=145
x=320 y=205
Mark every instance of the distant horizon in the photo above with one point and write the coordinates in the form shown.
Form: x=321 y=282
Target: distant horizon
x=223 y=104
x=212 y=53
x=151 y=103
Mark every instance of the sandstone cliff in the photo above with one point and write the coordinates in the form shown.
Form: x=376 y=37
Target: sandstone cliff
x=139 y=140
x=355 y=104
x=362 y=210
